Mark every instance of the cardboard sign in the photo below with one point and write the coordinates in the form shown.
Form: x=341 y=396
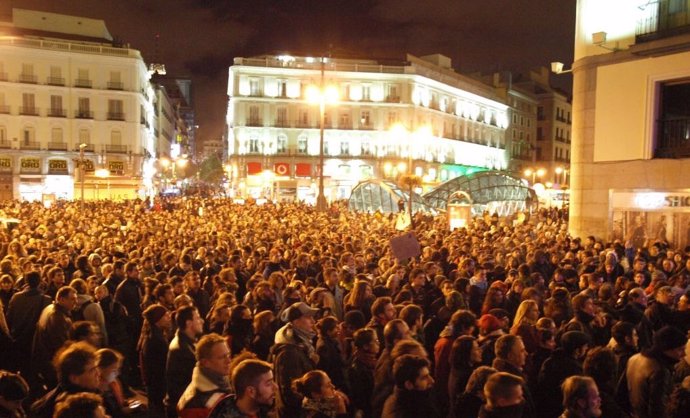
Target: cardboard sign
x=405 y=246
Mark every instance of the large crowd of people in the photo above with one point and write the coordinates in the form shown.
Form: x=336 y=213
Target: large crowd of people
x=198 y=307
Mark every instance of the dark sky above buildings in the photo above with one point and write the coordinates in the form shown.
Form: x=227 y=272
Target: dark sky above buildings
x=199 y=38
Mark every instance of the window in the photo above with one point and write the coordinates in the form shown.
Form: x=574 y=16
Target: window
x=56 y=106
x=540 y=134
x=304 y=117
x=345 y=121
x=84 y=136
x=82 y=78
x=254 y=115
x=302 y=145
x=392 y=93
x=392 y=118
x=254 y=144
x=84 y=108
x=115 y=111
x=115 y=82
x=366 y=148
x=282 y=88
x=56 y=135
x=281 y=144
x=254 y=87
x=366 y=92
x=673 y=126
x=28 y=135
x=55 y=77
x=281 y=117
x=28 y=100
x=344 y=147
x=366 y=118
x=540 y=113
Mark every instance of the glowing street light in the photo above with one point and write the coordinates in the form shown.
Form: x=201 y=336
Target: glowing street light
x=321 y=95
x=534 y=173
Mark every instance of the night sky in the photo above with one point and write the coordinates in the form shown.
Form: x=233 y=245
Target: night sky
x=199 y=38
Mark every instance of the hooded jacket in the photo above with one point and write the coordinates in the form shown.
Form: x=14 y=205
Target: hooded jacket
x=200 y=397
x=291 y=360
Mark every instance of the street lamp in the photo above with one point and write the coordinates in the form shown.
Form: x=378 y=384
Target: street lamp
x=559 y=171
x=82 y=171
x=321 y=95
x=534 y=173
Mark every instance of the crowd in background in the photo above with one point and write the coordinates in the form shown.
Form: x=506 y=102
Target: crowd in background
x=197 y=307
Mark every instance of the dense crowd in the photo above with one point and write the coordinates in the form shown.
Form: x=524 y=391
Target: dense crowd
x=194 y=308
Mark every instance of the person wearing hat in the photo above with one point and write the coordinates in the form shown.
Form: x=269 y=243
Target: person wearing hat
x=153 y=352
x=13 y=391
x=490 y=330
x=293 y=355
x=565 y=361
x=649 y=373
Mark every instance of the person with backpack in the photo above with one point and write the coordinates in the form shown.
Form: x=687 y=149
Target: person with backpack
x=88 y=310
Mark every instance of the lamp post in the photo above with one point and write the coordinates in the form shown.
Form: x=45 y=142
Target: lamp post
x=534 y=173
x=320 y=96
x=82 y=171
x=559 y=171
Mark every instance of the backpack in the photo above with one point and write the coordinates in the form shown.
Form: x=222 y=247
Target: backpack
x=78 y=314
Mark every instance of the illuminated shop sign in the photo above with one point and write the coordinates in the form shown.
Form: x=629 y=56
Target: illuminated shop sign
x=116 y=167
x=57 y=167
x=30 y=165
x=5 y=165
x=644 y=200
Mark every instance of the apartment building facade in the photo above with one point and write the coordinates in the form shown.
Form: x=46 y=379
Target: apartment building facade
x=418 y=116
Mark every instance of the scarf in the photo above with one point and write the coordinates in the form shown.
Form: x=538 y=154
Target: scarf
x=305 y=339
x=218 y=379
x=366 y=358
x=323 y=406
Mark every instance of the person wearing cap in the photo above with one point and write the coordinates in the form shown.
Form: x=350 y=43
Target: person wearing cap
x=649 y=373
x=564 y=362
x=293 y=355
x=153 y=352
x=13 y=391
x=489 y=331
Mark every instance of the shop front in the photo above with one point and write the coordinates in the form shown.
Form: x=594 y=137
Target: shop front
x=643 y=216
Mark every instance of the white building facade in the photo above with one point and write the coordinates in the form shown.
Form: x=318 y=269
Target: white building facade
x=63 y=84
x=417 y=117
x=630 y=154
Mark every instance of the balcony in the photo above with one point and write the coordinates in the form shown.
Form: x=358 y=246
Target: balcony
x=83 y=83
x=116 y=149
x=57 y=113
x=87 y=148
x=32 y=145
x=28 y=78
x=5 y=144
x=28 y=111
x=57 y=146
x=392 y=99
x=673 y=138
x=116 y=116
x=56 y=81
x=665 y=23
x=116 y=85
x=366 y=127
x=83 y=114
x=254 y=122
x=303 y=124
x=5 y=109
x=281 y=123
x=3 y=76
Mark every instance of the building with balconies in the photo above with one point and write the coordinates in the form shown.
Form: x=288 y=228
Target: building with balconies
x=417 y=116
x=63 y=83
x=630 y=157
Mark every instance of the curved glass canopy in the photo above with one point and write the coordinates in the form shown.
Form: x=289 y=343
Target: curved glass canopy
x=383 y=196
x=492 y=191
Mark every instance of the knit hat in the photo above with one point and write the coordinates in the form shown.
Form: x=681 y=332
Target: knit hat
x=154 y=313
x=668 y=338
x=488 y=323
